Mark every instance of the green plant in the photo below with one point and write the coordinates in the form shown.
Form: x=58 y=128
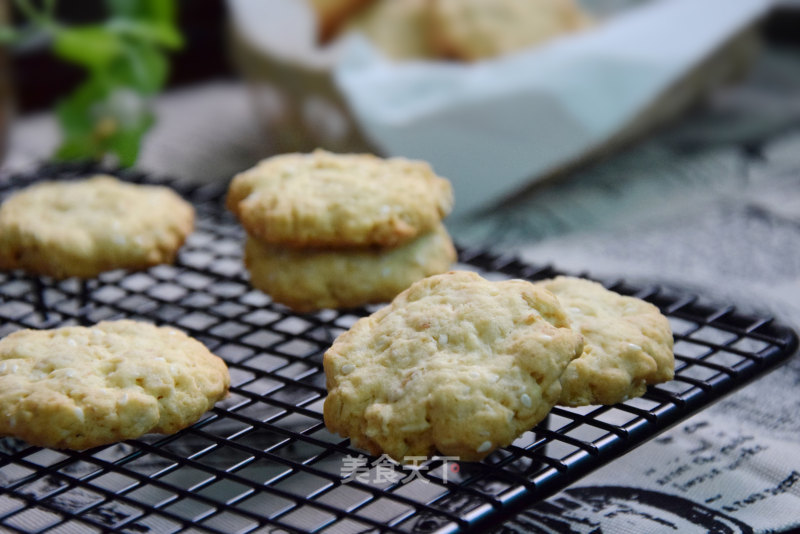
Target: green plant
x=125 y=58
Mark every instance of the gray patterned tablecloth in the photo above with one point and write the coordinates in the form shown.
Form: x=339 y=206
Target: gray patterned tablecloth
x=712 y=203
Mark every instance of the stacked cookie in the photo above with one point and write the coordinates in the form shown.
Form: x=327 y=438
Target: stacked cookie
x=466 y=30
x=341 y=230
x=461 y=365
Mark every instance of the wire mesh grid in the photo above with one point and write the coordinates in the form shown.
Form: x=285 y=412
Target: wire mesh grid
x=262 y=460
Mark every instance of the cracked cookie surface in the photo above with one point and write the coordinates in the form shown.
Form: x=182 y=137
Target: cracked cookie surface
x=79 y=387
x=331 y=200
x=82 y=228
x=628 y=343
x=455 y=364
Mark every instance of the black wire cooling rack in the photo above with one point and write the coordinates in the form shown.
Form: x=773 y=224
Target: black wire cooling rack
x=262 y=460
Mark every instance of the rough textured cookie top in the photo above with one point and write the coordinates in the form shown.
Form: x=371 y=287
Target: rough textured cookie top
x=456 y=364
x=77 y=387
x=324 y=199
x=81 y=228
x=628 y=343
x=477 y=29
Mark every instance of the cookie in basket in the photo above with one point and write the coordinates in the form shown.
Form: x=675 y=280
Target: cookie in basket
x=628 y=343
x=82 y=228
x=332 y=14
x=478 y=29
x=400 y=29
x=311 y=279
x=339 y=200
x=79 y=387
x=455 y=364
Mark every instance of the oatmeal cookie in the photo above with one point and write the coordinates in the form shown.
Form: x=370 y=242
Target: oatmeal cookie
x=82 y=228
x=332 y=14
x=628 y=343
x=455 y=364
x=479 y=29
x=79 y=387
x=399 y=29
x=311 y=279
x=339 y=200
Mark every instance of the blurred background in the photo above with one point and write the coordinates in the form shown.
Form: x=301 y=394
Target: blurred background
x=205 y=89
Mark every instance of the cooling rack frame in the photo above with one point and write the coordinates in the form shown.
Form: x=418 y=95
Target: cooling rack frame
x=262 y=461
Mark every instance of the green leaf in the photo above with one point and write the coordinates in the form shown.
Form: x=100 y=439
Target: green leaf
x=8 y=34
x=142 y=67
x=158 y=11
x=77 y=122
x=161 y=34
x=126 y=61
x=31 y=12
x=75 y=111
x=89 y=134
x=127 y=143
x=149 y=20
x=124 y=8
x=76 y=148
x=93 y=47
